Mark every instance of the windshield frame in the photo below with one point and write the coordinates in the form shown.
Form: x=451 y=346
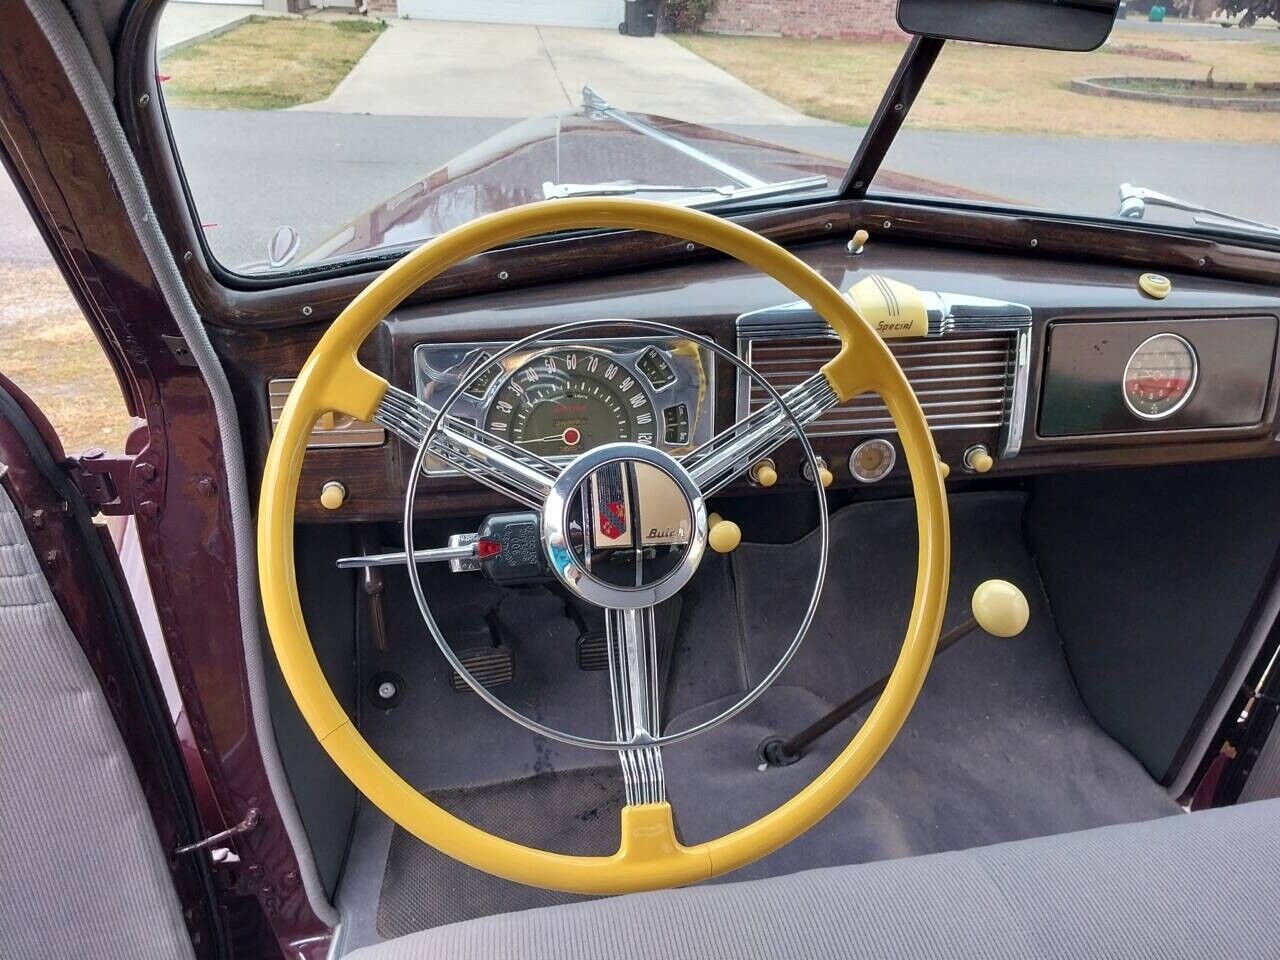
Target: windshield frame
x=147 y=126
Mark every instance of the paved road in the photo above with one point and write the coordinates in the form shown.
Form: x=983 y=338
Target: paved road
x=252 y=170
x=20 y=242
x=446 y=68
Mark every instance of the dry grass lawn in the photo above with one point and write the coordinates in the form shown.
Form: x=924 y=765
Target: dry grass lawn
x=1004 y=89
x=49 y=351
x=267 y=63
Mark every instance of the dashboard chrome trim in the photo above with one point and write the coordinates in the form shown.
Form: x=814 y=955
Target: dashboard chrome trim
x=329 y=431
x=438 y=368
x=949 y=314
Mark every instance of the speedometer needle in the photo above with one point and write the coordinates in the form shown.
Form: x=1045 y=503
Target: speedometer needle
x=569 y=437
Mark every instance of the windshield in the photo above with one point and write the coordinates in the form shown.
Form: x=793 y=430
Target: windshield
x=306 y=140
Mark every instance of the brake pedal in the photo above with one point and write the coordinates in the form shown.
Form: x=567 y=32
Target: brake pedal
x=593 y=651
x=491 y=666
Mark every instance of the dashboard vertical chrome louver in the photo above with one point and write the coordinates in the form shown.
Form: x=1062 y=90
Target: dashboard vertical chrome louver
x=970 y=371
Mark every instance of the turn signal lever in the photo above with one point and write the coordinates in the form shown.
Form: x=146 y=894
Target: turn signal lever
x=998 y=607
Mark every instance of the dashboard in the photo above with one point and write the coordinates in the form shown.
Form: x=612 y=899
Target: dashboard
x=1028 y=366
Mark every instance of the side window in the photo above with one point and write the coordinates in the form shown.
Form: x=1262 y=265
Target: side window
x=46 y=346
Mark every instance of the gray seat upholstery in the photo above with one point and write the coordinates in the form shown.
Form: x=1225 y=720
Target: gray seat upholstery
x=1199 y=886
x=83 y=871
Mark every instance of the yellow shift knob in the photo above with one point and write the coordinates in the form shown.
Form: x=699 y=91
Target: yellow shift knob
x=1000 y=608
x=723 y=536
x=764 y=473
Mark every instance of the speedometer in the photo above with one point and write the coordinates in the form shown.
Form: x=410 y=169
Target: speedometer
x=564 y=401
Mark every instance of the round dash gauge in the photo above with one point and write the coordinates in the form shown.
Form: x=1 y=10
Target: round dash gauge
x=1160 y=376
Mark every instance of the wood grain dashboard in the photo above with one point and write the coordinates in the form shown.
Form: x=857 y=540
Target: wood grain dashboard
x=965 y=379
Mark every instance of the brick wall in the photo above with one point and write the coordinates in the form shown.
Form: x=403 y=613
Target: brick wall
x=843 y=19
x=383 y=7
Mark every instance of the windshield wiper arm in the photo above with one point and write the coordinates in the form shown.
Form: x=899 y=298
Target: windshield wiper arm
x=621 y=188
x=1134 y=201
x=701 y=197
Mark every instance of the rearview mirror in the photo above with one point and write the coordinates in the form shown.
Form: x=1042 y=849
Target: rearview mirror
x=1049 y=24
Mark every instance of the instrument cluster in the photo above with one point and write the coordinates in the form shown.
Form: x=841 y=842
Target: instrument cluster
x=560 y=399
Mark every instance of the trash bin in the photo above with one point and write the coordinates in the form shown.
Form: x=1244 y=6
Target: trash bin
x=641 y=18
x=1156 y=14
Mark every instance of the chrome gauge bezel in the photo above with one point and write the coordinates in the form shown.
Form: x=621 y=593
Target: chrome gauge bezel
x=1186 y=396
x=888 y=450
x=440 y=368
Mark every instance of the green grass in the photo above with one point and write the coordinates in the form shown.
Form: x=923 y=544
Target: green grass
x=267 y=63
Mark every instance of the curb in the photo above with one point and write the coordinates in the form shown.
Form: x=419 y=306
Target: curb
x=1099 y=87
x=201 y=37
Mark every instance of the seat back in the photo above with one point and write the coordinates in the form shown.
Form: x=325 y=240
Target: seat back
x=82 y=872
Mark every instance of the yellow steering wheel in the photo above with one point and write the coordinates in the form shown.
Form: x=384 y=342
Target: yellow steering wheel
x=649 y=855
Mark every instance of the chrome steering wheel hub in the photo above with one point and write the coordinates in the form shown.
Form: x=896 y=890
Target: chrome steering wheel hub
x=624 y=526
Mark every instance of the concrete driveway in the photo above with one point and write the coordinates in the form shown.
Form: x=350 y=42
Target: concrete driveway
x=450 y=69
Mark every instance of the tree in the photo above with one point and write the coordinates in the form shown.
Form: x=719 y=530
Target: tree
x=1252 y=10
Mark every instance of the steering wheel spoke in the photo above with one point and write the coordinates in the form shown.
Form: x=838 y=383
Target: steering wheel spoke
x=730 y=453
x=633 y=685
x=488 y=459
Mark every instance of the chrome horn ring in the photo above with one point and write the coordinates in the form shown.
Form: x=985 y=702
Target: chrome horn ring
x=415 y=581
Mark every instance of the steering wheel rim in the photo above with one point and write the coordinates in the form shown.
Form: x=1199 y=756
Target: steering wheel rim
x=649 y=855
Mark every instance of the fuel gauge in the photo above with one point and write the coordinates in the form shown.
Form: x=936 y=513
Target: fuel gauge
x=1160 y=376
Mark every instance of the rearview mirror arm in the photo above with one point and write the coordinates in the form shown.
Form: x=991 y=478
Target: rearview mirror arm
x=910 y=75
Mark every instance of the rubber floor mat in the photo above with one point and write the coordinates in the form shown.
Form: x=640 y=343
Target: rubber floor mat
x=574 y=812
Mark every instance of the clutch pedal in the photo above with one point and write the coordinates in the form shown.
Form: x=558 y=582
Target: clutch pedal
x=491 y=666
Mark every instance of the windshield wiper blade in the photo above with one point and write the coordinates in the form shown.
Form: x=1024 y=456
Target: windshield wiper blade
x=1134 y=201
x=701 y=197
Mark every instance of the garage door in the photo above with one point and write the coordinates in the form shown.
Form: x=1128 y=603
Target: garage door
x=548 y=13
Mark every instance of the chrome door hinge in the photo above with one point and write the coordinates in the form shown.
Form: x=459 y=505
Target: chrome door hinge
x=251 y=820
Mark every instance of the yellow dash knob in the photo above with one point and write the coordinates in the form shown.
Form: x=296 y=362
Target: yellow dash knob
x=978 y=459
x=1155 y=285
x=764 y=473
x=859 y=240
x=943 y=470
x=1000 y=608
x=333 y=495
x=825 y=475
x=723 y=536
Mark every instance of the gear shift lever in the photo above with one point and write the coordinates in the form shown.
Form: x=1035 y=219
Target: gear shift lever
x=998 y=607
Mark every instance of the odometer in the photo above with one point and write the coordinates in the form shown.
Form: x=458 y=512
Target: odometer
x=1160 y=376
x=565 y=401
